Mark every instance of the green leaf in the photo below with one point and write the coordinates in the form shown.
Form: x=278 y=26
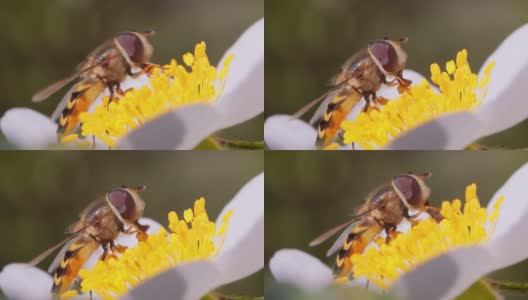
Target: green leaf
x=479 y=290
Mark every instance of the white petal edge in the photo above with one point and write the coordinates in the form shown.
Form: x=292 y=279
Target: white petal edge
x=242 y=253
x=282 y=132
x=448 y=132
x=505 y=104
x=23 y=281
x=180 y=129
x=243 y=97
x=313 y=276
x=451 y=273
x=508 y=244
x=28 y=129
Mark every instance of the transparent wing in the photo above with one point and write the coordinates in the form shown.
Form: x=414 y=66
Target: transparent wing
x=54 y=87
x=322 y=107
x=65 y=242
x=58 y=258
x=341 y=239
x=328 y=234
x=60 y=107
x=35 y=261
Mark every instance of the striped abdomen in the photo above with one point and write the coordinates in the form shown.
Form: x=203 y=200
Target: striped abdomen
x=76 y=255
x=80 y=100
x=336 y=111
x=357 y=241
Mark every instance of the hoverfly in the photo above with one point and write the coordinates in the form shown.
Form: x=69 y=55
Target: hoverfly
x=383 y=210
x=98 y=225
x=105 y=67
x=361 y=76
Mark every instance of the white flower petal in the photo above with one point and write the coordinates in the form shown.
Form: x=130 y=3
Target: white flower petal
x=23 y=281
x=445 y=276
x=243 y=97
x=300 y=269
x=510 y=240
x=448 y=132
x=28 y=129
x=282 y=132
x=188 y=281
x=243 y=250
x=505 y=104
x=182 y=128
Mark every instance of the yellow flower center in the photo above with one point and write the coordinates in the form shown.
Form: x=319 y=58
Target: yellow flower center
x=194 y=237
x=459 y=91
x=473 y=225
x=170 y=87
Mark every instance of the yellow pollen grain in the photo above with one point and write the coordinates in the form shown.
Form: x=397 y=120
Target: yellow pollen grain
x=170 y=87
x=194 y=237
x=459 y=91
x=470 y=225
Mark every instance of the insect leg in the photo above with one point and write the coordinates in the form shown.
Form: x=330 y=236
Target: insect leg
x=434 y=212
x=367 y=96
x=145 y=69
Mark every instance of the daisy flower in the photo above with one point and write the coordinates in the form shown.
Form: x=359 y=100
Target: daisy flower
x=460 y=108
x=190 y=259
x=430 y=260
x=177 y=107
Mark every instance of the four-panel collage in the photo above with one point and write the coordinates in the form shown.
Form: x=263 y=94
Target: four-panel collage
x=343 y=149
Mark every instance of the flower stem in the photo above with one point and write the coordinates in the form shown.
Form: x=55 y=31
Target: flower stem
x=239 y=144
x=509 y=285
x=209 y=143
x=479 y=146
x=219 y=296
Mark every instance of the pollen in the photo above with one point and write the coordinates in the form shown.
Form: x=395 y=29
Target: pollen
x=459 y=90
x=194 y=237
x=171 y=86
x=470 y=225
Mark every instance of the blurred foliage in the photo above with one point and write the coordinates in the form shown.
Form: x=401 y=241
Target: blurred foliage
x=283 y=291
x=41 y=193
x=307 y=41
x=308 y=193
x=43 y=41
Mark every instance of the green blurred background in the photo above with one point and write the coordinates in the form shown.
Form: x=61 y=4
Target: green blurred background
x=306 y=42
x=43 y=41
x=308 y=193
x=41 y=193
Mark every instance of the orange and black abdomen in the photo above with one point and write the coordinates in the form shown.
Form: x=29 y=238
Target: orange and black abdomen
x=76 y=255
x=79 y=102
x=356 y=243
x=335 y=113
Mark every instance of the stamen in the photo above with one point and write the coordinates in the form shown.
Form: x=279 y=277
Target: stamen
x=193 y=238
x=460 y=91
x=473 y=225
x=170 y=87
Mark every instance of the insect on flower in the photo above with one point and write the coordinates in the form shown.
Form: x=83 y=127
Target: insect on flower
x=361 y=76
x=383 y=210
x=99 y=225
x=105 y=67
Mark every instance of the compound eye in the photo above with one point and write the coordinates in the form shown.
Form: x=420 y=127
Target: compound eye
x=124 y=203
x=132 y=45
x=410 y=189
x=386 y=54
